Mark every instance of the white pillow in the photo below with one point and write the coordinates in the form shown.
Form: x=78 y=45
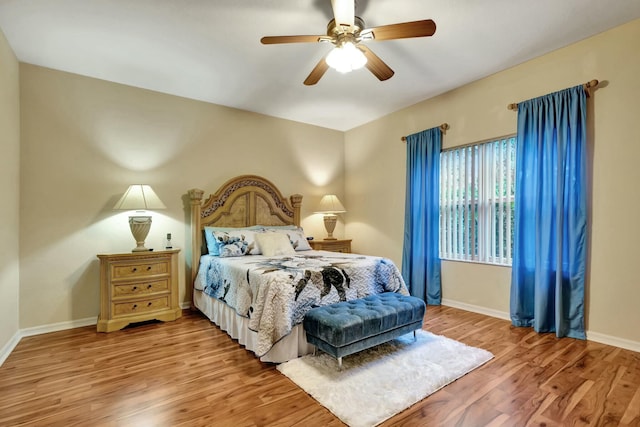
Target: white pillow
x=273 y=244
x=296 y=236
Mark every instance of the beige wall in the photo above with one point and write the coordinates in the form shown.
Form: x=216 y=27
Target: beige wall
x=85 y=140
x=375 y=172
x=9 y=191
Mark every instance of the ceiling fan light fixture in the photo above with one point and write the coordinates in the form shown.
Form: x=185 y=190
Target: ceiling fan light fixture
x=346 y=58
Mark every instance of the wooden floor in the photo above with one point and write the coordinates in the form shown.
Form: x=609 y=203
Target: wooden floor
x=189 y=373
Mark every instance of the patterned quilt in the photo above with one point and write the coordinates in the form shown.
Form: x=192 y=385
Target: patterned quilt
x=274 y=293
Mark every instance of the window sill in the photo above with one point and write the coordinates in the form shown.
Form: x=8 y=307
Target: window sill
x=467 y=261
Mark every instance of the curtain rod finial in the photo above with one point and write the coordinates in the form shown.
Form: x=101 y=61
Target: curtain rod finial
x=590 y=85
x=443 y=128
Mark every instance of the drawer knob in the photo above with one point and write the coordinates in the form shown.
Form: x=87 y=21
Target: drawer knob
x=148 y=268
x=149 y=286
x=134 y=269
x=135 y=287
x=135 y=306
x=149 y=305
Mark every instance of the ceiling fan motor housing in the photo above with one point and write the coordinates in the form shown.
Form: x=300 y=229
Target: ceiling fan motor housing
x=334 y=30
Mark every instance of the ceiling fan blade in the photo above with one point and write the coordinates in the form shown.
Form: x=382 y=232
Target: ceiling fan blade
x=343 y=11
x=376 y=65
x=404 y=30
x=290 y=39
x=317 y=72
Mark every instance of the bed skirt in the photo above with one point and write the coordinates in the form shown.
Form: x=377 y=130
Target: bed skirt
x=290 y=347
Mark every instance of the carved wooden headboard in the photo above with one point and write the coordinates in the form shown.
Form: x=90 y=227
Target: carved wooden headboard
x=240 y=202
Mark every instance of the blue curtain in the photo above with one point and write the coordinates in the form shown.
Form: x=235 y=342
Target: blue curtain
x=420 y=257
x=550 y=242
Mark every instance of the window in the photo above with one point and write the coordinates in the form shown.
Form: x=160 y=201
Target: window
x=477 y=188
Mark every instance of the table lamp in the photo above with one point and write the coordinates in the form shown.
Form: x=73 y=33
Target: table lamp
x=330 y=206
x=139 y=197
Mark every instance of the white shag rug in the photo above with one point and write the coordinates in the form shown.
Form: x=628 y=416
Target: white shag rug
x=377 y=383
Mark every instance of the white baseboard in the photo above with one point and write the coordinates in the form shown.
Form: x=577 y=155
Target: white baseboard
x=8 y=347
x=591 y=336
x=37 y=330
x=61 y=326
x=476 y=309
x=614 y=341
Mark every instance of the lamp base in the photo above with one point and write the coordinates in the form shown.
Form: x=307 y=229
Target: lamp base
x=140 y=226
x=330 y=225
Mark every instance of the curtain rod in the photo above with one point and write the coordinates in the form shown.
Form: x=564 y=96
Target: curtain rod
x=443 y=128
x=586 y=87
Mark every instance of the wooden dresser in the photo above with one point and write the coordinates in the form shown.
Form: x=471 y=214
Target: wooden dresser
x=331 y=245
x=138 y=286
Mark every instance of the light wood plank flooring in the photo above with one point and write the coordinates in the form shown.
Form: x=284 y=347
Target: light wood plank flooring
x=189 y=373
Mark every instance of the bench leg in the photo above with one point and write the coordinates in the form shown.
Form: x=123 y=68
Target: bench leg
x=339 y=362
x=414 y=336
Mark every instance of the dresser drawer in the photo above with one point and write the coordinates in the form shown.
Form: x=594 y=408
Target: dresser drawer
x=140 y=288
x=139 y=306
x=139 y=269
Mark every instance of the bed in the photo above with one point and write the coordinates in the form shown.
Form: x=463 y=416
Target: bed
x=255 y=275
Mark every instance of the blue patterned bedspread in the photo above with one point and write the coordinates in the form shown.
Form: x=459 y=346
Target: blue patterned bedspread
x=276 y=292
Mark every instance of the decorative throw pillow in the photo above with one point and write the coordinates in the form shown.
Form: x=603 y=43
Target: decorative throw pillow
x=236 y=243
x=278 y=227
x=274 y=244
x=296 y=236
x=212 y=241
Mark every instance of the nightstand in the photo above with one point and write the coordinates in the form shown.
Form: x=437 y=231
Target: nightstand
x=138 y=286
x=331 y=245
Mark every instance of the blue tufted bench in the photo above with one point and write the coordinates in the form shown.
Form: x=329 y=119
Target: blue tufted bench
x=347 y=327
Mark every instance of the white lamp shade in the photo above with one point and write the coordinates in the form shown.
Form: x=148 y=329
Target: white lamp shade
x=139 y=197
x=330 y=204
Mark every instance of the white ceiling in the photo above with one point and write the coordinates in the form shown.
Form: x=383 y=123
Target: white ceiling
x=210 y=50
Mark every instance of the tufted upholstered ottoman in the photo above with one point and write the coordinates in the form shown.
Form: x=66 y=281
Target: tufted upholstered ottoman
x=350 y=326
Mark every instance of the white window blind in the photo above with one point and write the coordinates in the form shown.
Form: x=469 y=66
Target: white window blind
x=477 y=189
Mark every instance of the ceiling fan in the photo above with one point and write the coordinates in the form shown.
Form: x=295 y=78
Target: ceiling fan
x=346 y=32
